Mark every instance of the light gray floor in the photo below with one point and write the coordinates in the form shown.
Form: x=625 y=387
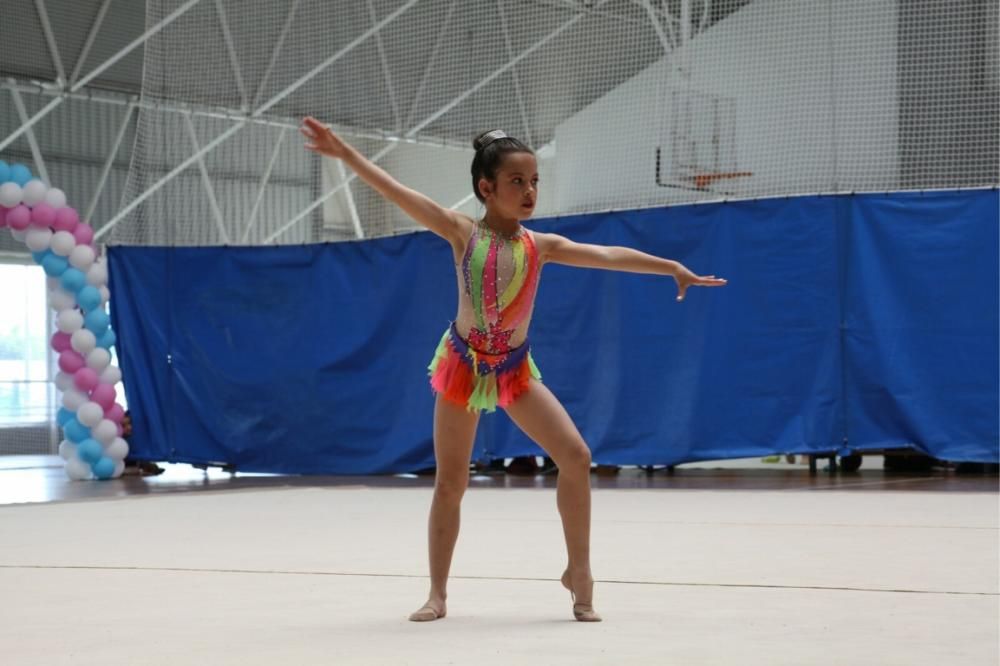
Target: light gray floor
x=328 y=575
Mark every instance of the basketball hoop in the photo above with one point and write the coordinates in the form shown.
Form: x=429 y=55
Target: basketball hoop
x=703 y=180
x=699 y=180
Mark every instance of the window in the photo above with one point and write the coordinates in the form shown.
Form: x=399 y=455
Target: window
x=27 y=396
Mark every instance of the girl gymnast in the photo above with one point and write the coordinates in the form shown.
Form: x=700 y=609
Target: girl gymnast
x=483 y=359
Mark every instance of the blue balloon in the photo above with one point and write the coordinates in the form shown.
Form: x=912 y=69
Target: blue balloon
x=63 y=417
x=73 y=280
x=54 y=265
x=4 y=172
x=89 y=450
x=20 y=174
x=96 y=321
x=39 y=257
x=103 y=468
x=88 y=298
x=107 y=340
x=75 y=431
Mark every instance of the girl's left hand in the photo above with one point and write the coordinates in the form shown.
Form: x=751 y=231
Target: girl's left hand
x=322 y=139
x=686 y=278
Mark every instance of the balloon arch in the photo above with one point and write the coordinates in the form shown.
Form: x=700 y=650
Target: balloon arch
x=62 y=245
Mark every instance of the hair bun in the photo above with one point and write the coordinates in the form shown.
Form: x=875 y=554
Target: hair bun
x=486 y=138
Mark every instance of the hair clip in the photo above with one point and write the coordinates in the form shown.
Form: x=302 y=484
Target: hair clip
x=490 y=137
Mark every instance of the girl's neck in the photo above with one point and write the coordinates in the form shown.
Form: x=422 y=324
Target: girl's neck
x=508 y=227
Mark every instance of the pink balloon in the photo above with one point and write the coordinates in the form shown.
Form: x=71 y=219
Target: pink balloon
x=3 y=217
x=121 y=430
x=115 y=413
x=66 y=219
x=61 y=341
x=86 y=379
x=70 y=361
x=43 y=215
x=104 y=395
x=19 y=217
x=84 y=233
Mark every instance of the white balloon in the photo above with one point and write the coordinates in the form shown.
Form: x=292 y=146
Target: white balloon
x=67 y=449
x=64 y=380
x=34 y=192
x=63 y=243
x=78 y=470
x=119 y=469
x=37 y=239
x=72 y=399
x=90 y=414
x=69 y=321
x=10 y=195
x=97 y=275
x=83 y=341
x=55 y=197
x=105 y=294
x=82 y=257
x=105 y=431
x=117 y=450
x=111 y=375
x=53 y=283
x=98 y=359
x=19 y=235
x=60 y=299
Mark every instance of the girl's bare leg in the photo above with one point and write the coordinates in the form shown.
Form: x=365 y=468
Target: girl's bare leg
x=542 y=418
x=454 y=432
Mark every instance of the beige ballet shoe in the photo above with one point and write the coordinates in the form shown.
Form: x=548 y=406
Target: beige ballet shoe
x=427 y=613
x=582 y=612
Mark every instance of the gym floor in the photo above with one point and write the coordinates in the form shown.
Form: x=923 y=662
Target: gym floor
x=735 y=562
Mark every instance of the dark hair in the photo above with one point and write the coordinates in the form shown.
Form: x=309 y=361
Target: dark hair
x=490 y=152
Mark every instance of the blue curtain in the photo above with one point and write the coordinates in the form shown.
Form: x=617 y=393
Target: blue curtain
x=857 y=322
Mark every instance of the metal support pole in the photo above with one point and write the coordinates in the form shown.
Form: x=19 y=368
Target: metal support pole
x=302 y=80
x=242 y=122
x=91 y=36
x=430 y=63
x=657 y=28
x=685 y=22
x=36 y=154
x=705 y=7
x=434 y=116
x=355 y=220
x=263 y=186
x=220 y=113
x=513 y=71
x=233 y=60
x=166 y=179
x=385 y=70
x=207 y=181
x=97 y=72
x=50 y=40
x=461 y=202
x=274 y=52
x=318 y=202
x=524 y=54
x=106 y=171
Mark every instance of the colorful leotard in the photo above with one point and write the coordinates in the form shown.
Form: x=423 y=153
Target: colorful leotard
x=483 y=359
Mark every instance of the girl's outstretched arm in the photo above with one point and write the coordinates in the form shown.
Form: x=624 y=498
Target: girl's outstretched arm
x=559 y=250
x=449 y=224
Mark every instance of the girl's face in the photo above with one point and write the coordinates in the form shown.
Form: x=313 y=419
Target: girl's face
x=514 y=193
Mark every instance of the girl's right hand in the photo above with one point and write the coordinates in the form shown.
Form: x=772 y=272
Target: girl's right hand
x=322 y=140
